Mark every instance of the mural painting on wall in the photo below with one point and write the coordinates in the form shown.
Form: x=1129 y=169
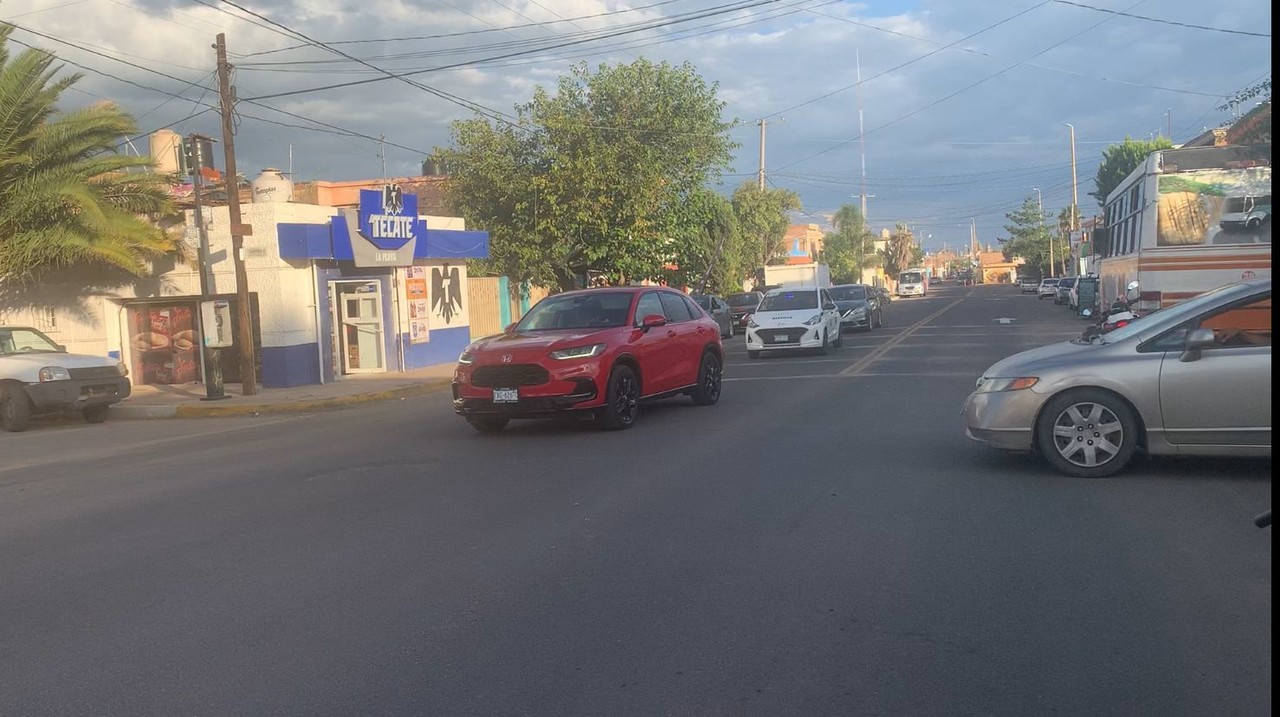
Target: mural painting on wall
x=446 y=295
x=415 y=288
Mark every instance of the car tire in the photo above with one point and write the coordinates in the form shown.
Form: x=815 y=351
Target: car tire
x=95 y=414
x=622 y=400
x=488 y=424
x=15 y=409
x=753 y=354
x=710 y=377
x=1073 y=425
x=824 y=349
x=839 y=339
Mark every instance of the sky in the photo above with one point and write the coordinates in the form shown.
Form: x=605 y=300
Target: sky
x=962 y=112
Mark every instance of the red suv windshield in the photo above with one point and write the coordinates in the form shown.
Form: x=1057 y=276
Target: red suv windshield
x=594 y=310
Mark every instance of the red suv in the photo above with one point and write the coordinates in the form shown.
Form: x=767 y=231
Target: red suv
x=598 y=351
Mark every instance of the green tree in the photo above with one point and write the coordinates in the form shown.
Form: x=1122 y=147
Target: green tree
x=900 y=251
x=1119 y=160
x=763 y=218
x=712 y=255
x=1029 y=237
x=593 y=178
x=66 y=197
x=847 y=249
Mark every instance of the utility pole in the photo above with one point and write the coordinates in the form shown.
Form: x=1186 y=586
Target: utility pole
x=1168 y=123
x=382 y=156
x=862 y=139
x=1040 y=203
x=1075 y=196
x=244 y=313
x=760 y=175
x=214 y=390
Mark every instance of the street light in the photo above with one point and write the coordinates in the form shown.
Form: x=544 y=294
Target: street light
x=1040 y=203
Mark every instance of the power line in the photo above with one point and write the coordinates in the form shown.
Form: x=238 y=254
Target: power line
x=475 y=107
x=1162 y=21
x=324 y=126
x=678 y=35
x=962 y=90
x=895 y=68
x=972 y=51
x=712 y=12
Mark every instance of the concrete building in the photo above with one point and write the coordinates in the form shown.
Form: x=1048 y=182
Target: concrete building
x=374 y=288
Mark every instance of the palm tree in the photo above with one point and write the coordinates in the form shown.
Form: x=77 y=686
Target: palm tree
x=66 y=197
x=899 y=252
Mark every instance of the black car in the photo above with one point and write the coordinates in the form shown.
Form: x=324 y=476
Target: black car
x=742 y=305
x=860 y=306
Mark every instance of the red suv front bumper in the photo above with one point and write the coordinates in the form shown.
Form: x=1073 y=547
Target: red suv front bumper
x=541 y=389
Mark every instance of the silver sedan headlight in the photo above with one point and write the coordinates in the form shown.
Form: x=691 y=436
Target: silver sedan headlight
x=992 y=385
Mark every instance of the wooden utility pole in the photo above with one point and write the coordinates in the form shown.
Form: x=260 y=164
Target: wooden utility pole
x=244 y=313
x=212 y=356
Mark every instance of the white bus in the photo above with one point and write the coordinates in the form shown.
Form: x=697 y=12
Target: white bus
x=1187 y=221
x=913 y=282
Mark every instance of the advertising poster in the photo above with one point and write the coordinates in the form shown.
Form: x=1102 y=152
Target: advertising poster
x=415 y=289
x=1215 y=206
x=165 y=344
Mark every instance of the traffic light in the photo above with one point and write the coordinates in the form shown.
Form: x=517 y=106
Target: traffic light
x=197 y=154
x=188 y=164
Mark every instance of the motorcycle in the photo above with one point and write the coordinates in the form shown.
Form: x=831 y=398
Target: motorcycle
x=1120 y=314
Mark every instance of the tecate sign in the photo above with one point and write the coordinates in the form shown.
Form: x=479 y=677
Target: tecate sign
x=385 y=228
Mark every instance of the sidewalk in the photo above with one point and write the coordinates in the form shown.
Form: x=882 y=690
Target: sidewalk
x=185 y=401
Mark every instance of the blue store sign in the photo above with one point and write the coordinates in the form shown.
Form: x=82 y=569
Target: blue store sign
x=385 y=229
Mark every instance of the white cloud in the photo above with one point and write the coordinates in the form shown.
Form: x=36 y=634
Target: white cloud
x=972 y=155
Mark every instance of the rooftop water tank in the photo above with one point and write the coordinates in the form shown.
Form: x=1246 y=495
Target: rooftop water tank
x=272 y=186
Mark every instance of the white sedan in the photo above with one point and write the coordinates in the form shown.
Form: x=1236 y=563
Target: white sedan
x=794 y=318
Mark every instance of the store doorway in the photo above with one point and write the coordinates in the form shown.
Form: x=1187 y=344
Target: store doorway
x=360 y=326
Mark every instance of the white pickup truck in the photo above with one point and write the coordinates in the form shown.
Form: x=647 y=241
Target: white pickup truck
x=38 y=376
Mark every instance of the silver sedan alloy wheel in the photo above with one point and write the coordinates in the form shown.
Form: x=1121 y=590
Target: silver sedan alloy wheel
x=1088 y=434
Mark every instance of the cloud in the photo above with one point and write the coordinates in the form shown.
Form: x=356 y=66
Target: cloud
x=932 y=160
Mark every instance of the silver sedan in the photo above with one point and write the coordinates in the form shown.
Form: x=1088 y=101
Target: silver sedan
x=1194 y=378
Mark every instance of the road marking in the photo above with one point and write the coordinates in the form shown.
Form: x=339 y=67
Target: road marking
x=803 y=377
x=906 y=333
x=1004 y=320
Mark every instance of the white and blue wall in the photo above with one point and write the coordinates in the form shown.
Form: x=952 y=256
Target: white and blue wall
x=442 y=243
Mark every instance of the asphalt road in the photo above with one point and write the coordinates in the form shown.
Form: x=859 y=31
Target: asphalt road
x=823 y=541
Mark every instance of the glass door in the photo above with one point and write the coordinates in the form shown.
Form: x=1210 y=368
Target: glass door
x=360 y=327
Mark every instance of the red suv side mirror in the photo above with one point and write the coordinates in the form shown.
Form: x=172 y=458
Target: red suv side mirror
x=653 y=321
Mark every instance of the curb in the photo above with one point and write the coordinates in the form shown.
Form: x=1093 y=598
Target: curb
x=223 y=410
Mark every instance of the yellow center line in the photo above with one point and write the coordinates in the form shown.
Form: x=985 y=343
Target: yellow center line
x=861 y=364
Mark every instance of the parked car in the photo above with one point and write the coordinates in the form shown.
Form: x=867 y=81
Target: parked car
x=1029 y=285
x=1090 y=283
x=597 y=352
x=1062 y=292
x=717 y=309
x=799 y=318
x=743 y=305
x=37 y=375
x=1192 y=378
x=1048 y=287
x=859 y=305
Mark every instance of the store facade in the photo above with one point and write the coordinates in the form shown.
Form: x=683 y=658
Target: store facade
x=333 y=293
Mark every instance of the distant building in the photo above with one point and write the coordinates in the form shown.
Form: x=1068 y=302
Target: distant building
x=803 y=243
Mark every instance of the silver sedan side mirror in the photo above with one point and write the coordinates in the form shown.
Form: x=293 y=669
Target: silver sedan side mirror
x=1196 y=342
